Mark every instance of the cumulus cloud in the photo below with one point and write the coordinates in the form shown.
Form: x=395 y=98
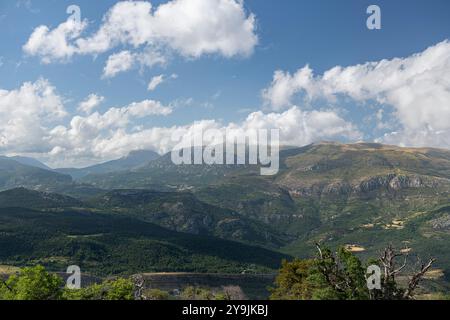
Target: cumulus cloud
x=119 y=62
x=126 y=60
x=26 y=115
x=34 y=122
x=56 y=44
x=90 y=103
x=416 y=87
x=298 y=127
x=190 y=28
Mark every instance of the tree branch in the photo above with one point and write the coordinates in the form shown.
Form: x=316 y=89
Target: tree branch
x=415 y=280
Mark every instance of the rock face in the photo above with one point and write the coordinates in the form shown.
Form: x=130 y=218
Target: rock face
x=352 y=169
x=393 y=182
x=389 y=183
x=441 y=223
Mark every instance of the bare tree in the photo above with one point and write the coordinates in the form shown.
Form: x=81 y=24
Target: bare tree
x=391 y=270
x=416 y=278
x=139 y=285
x=393 y=264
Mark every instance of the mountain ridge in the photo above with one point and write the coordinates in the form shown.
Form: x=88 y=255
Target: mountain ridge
x=133 y=160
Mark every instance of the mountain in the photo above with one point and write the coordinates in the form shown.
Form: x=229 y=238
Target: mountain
x=183 y=212
x=133 y=160
x=105 y=244
x=342 y=194
x=361 y=195
x=25 y=198
x=31 y=162
x=331 y=168
x=14 y=174
x=163 y=174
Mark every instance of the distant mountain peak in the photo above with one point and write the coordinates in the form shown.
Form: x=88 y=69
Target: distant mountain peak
x=142 y=153
x=29 y=162
x=134 y=159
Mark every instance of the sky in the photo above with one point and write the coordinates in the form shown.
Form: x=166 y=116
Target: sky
x=127 y=75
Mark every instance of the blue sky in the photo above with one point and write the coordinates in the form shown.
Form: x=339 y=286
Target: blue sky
x=291 y=34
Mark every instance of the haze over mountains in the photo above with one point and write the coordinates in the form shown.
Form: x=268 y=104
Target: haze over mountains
x=358 y=195
x=133 y=160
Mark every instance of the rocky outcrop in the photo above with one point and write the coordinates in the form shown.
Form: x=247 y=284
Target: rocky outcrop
x=390 y=183
x=441 y=223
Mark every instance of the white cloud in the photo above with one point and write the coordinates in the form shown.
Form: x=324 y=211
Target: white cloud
x=190 y=28
x=34 y=123
x=156 y=81
x=298 y=128
x=90 y=103
x=119 y=62
x=26 y=115
x=416 y=87
x=148 y=108
x=55 y=44
x=84 y=140
x=126 y=60
x=284 y=86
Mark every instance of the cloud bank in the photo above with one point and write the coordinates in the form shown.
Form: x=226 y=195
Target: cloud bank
x=35 y=122
x=416 y=87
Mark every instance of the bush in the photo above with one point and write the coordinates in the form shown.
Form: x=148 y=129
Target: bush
x=156 y=294
x=35 y=283
x=32 y=284
x=120 y=289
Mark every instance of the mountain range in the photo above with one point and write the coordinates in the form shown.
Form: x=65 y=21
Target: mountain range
x=363 y=196
x=134 y=160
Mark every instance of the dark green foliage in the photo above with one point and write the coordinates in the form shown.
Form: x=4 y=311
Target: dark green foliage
x=184 y=212
x=25 y=198
x=35 y=283
x=107 y=244
x=292 y=282
x=343 y=276
x=118 y=289
x=156 y=294
x=32 y=284
x=339 y=276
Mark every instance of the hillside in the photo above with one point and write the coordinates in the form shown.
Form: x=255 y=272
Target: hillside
x=25 y=198
x=31 y=162
x=135 y=159
x=331 y=168
x=363 y=196
x=316 y=183
x=14 y=174
x=182 y=211
x=163 y=174
x=112 y=244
